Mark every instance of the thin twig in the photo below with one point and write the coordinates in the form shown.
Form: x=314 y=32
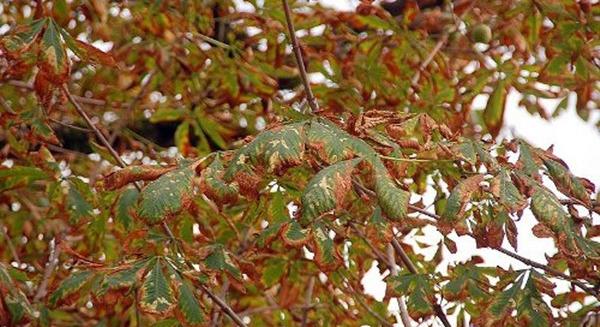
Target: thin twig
x=11 y=246
x=80 y=99
x=224 y=306
x=524 y=260
x=5 y=106
x=362 y=303
x=50 y=266
x=377 y=253
x=394 y=272
x=77 y=128
x=108 y=146
x=308 y=300
x=413 y=269
x=312 y=102
x=438 y=46
x=549 y=270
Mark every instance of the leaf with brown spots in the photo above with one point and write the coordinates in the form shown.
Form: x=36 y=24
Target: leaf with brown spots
x=327 y=190
x=457 y=201
x=166 y=196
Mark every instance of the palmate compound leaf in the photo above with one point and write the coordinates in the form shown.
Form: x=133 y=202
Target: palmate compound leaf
x=220 y=259
x=125 y=277
x=168 y=195
x=78 y=206
x=156 y=295
x=531 y=309
x=528 y=161
x=327 y=190
x=22 y=37
x=507 y=193
x=418 y=290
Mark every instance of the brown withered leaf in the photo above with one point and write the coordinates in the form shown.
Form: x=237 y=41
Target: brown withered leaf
x=131 y=174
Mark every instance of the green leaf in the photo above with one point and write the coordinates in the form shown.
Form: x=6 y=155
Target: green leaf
x=219 y=259
x=326 y=256
x=189 y=306
x=19 y=176
x=43 y=131
x=274 y=150
x=528 y=160
x=182 y=137
x=274 y=269
x=167 y=323
x=77 y=205
x=166 y=196
x=548 y=210
x=167 y=115
x=156 y=296
x=502 y=300
x=123 y=279
x=566 y=182
x=416 y=287
x=329 y=142
x=53 y=51
x=494 y=110
x=459 y=197
x=213 y=185
x=392 y=199
x=292 y=234
x=327 y=190
x=24 y=35
x=507 y=193
x=211 y=128
x=70 y=285
x=125 y=203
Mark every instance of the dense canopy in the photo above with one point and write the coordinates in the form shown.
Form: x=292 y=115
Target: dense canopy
x=168 y=163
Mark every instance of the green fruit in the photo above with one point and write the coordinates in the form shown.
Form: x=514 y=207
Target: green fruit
x=481 y=33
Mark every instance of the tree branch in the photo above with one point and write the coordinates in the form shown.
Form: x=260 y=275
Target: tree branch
x=314 y=106
x=107 y=144
x=308 y=300
x=224 y=307
x=413 y=269
x=394 y=272
x=50 y=266
x=80 y=99
x=11 y=246
x=524 y=260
